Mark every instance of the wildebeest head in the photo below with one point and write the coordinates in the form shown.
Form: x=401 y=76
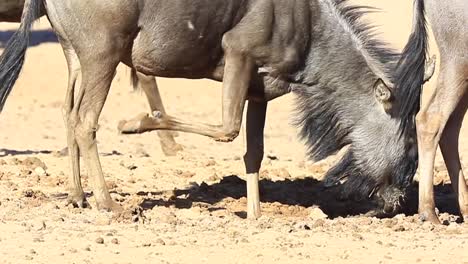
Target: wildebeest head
x=346 y=99
x=380 y=159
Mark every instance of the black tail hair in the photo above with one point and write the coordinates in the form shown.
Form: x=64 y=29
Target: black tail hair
x=409 y=76
x=134 y=79
x=12 y=59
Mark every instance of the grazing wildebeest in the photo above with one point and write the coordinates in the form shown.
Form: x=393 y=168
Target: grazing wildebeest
x=259 y=49
x=11 y=10
x=439 y=121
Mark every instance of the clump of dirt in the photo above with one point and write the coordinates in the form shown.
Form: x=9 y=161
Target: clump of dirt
x=33 y=163
x=131 y=211
x=34 y=194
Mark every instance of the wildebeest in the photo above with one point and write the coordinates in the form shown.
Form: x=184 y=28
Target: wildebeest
x=11 y=10
x=439 y=121
x=259 y=49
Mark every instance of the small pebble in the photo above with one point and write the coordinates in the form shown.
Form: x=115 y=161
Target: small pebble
x=160 y=242
x=40 y=171
x=100 y=240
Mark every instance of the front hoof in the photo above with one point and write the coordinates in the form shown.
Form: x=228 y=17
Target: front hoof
x=109 y=206
x=429 y=216
x=78 y=200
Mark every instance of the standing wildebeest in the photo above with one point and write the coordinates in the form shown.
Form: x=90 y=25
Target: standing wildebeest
x=440 y=120
x=11 y=10
x=259 y=49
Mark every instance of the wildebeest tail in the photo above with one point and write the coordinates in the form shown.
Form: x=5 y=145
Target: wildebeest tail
x=12 y=59
x=410 y=69
x=134 y=79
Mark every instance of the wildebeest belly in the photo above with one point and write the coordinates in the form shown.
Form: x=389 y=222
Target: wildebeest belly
x=182 y=38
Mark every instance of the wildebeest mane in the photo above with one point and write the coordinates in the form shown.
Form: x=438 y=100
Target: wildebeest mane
x=320 y=109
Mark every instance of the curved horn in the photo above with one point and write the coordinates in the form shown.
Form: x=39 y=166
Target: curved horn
x=430 y=68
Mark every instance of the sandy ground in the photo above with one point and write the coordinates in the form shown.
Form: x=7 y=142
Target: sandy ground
x=190 y=208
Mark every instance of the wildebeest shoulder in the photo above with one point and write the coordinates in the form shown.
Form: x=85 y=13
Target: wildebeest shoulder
x=275 y=33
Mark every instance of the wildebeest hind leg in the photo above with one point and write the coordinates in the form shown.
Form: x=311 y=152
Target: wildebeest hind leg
x=449 y=146
x=256 y=113
x=76 y=195
x=138 y=125
x=237 y=75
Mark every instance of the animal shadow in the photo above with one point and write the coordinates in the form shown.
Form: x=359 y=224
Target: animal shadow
x=37 y=37
x=306 y=192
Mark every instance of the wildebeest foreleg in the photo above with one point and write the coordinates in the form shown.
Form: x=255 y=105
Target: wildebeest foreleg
x=256 y=113
x=137 y=124
x=431 y=122
x=237 y=75
x=76 y=195
x=97 y=78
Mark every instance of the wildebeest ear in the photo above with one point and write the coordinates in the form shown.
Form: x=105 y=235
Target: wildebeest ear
x=384 y=96
x=382 y=93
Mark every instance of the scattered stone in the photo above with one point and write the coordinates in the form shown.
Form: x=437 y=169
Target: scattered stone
x=33 y=162
x=272 y=157
x=318 y=223
x=358 y=236
x=40 y=172
x=132 y=167
x=185 y=174
x=100 y=240
x=29 y=193
x=87 y=248
x=209 y=163
x=37 y=240
x=115 y=241
x=41 y=225
x=14 y=161
x=161 y=242
x=316 y=213
x=141 y=153
x=61 y=153
x=399 y=228
x=102 y=220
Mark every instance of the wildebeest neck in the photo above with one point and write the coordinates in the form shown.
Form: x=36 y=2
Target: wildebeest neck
x=336 y=83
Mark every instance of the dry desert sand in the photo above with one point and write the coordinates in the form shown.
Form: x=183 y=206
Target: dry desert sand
x=189 y=208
